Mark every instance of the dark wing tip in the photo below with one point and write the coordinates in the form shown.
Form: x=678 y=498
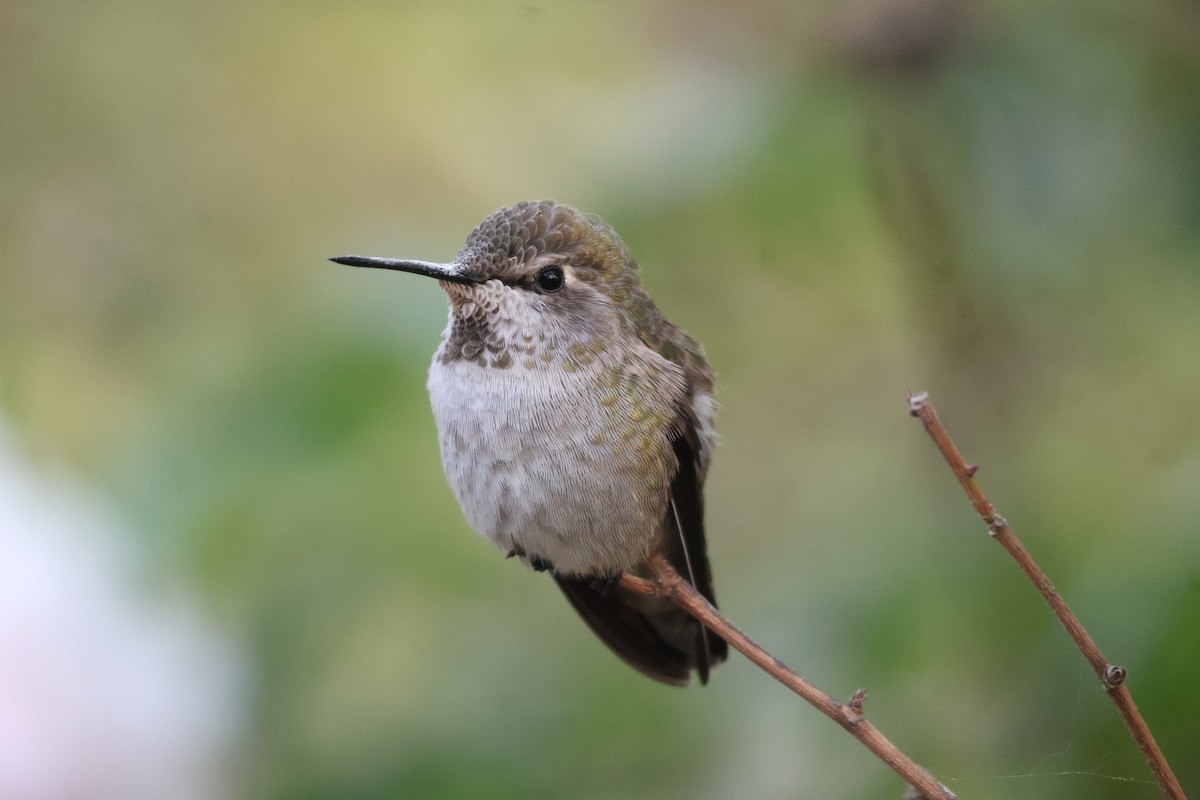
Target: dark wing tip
x=686 y=548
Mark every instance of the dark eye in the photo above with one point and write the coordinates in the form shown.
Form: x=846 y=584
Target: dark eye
x=550 y=279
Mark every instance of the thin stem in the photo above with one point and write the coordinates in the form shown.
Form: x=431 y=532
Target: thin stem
x=1110 y=675
x=667 y=583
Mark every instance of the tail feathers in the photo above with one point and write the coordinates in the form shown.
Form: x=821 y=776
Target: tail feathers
x=651 y=634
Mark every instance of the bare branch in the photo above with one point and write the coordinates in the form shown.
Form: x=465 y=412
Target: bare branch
x=667 y=583
x=1111 y=676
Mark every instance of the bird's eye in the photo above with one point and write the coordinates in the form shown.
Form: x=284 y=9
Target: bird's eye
x=550 y=279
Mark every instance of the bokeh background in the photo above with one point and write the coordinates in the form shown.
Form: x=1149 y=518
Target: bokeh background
x=229 y=563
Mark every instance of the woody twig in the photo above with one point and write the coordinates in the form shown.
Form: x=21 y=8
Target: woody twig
x=1111 y=676
x=667 y=583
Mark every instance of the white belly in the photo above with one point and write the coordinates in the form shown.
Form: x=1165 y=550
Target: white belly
x=544 y=467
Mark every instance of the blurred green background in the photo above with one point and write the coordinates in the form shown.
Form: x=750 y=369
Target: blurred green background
x=997 y=202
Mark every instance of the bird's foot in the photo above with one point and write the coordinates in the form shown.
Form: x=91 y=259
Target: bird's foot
x=537 y=563
x=540 y=564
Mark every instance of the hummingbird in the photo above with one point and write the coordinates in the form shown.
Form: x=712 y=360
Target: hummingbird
x=576 y=423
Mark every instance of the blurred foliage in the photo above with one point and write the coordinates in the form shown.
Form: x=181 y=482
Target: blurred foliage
x=997 y=202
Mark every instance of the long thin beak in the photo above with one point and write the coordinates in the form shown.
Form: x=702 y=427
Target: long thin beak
x=443 y=272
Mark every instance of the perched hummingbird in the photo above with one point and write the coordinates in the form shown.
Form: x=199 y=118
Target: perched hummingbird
x=576 y=423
